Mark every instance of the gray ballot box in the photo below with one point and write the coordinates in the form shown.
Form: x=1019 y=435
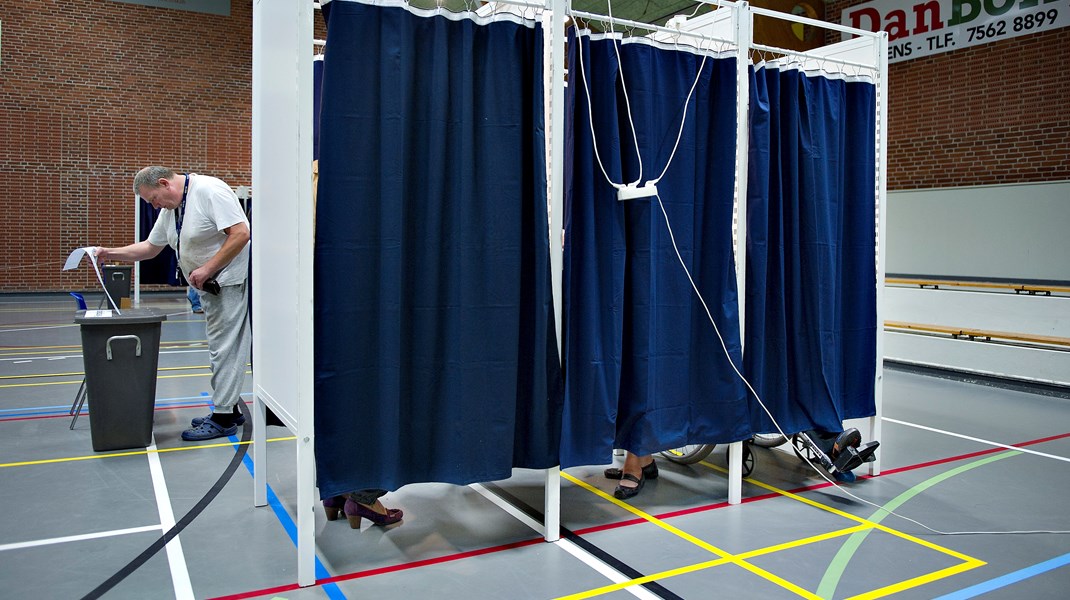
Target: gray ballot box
x=121 y=354
x=118 y=281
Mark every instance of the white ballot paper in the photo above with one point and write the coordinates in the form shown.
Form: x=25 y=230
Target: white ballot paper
x=75 y=259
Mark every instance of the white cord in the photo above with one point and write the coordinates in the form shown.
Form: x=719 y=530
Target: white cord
x=590 y=114
x=709 y=315
x=624 y=87
x=628 y=106
x=777 y=425
x=683 y=119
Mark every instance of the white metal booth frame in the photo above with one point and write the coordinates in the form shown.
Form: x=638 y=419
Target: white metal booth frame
x=284 y=220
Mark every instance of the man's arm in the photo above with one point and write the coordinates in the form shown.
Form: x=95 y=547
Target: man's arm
x=139 y=251
x=237 y=237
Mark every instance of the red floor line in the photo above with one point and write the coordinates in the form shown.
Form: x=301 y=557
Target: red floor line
x=816 y=486
x=390 y=569
x=668 y=515
x=84 y=413
x=974 y=454
x=449 y=557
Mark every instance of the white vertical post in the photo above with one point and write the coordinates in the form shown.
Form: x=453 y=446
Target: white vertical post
x=259 y=433
x=282 y=156
x=556 y=133
x=306 y=460
x=742 y=18
x=735 y=472
x=259 y=452
x=880 y=47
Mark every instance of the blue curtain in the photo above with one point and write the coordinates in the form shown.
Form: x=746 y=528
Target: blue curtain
x=811 y=274
x=435 y=358
x=646 y=371
x=161 y=269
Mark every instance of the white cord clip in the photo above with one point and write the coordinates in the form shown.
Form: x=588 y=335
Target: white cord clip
x=633 y=191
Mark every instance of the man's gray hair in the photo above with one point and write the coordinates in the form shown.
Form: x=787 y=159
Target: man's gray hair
x=150 y=176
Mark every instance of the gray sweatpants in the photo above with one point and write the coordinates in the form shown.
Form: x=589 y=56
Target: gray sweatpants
x=229 y=335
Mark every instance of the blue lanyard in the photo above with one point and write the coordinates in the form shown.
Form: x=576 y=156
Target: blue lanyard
x=180 y=215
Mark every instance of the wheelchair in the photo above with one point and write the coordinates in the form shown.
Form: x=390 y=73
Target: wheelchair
x=837 y=452
x=689 y=455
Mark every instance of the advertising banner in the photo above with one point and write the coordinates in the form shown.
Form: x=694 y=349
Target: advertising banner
x=923 y=28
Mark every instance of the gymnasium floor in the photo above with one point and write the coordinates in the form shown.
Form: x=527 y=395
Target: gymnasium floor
x=71 y=518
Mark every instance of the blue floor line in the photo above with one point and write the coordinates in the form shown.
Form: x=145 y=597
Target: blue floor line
x=331 y=589
x=1008 y=579
x=65 y=409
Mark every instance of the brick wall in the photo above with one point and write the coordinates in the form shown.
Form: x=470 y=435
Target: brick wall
x=93 y=90
x=90 y=92
x=991 y=114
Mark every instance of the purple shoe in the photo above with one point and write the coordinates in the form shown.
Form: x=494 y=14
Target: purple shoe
x=333 y=505
x=354 y=511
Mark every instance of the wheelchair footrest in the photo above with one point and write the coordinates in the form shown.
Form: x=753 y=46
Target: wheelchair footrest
x=851 y=458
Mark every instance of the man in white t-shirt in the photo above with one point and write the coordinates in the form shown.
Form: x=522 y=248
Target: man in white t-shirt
x=201 y=218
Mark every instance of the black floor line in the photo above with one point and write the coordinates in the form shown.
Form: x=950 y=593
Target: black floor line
x=121 y=574
x=607 y=558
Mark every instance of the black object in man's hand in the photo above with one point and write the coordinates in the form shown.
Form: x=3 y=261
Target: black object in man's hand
x=211 y=286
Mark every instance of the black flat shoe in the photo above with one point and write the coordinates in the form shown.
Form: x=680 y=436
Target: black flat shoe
x=623 y=493
x=649 y=472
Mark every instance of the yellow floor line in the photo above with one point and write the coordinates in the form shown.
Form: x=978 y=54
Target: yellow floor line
x=724 y=557
x=712 y=563
x=968 y=563
x=919 y=581
x=82 y=373
x=78 y=382
x=42 y=349
x=694 y=540
x=616 y=587
x=846 y=515
x=135 y=453
x=821 y=537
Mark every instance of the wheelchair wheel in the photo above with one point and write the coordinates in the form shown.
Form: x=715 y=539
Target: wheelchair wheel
x=748 y=460
x=769 y=440
x=688 y=455
x=803 y=451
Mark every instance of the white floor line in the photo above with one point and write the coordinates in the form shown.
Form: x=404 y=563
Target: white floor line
x=175 y=558
x=585 y=557
x=974 y=439
x=607 y=571
x=78 y=538
x=38 y=328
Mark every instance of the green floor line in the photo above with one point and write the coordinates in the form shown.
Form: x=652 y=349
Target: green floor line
x=836 y=568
